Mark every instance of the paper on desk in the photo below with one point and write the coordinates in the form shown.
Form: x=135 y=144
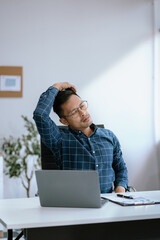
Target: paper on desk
x=130 y=202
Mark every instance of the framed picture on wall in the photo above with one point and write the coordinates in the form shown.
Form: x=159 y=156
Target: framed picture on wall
x=10 y=81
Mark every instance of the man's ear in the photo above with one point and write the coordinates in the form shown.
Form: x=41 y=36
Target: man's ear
x=64 y=121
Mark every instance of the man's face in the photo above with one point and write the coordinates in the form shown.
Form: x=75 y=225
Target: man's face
x=81 y=119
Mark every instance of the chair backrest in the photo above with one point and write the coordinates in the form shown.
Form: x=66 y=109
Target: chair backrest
x=48 y=160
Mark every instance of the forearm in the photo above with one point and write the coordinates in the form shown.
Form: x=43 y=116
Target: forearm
x=121 y=174
x=45 y=102
x=119 y=166
x=46 y=127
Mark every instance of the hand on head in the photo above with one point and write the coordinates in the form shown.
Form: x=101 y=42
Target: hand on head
x=64 y=85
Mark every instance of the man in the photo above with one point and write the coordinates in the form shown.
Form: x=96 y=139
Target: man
x=81 y=146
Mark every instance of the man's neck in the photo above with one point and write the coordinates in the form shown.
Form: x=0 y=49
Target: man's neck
x=87 y=131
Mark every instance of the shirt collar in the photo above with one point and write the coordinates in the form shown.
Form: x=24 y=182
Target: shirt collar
x=77 y=132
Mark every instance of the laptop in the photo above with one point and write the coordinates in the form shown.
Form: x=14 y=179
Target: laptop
x=69 y=188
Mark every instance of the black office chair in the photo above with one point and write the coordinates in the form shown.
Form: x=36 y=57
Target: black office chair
x=48 y=160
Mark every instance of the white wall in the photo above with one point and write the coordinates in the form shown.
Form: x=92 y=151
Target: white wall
x=103 y=47
x=1 y=177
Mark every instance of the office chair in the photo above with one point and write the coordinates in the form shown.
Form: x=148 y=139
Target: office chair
x=48 y=161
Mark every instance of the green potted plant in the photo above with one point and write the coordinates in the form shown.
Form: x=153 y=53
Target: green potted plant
x=22 y=155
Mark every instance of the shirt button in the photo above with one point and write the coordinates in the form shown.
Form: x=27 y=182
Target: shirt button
x=96 y=165
x=93 y=151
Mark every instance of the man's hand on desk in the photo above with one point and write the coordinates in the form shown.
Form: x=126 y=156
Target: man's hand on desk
x=119 y=189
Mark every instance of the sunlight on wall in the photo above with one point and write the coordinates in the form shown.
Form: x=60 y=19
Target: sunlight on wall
x=157 y=86
x=124 y=90
x=124 y=102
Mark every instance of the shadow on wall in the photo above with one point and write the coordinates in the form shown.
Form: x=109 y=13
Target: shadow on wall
x=147 y=178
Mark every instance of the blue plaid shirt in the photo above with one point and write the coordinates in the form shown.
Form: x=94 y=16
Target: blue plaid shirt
x=74 y=150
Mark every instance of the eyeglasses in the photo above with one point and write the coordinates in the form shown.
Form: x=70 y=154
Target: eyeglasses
x=74 y=113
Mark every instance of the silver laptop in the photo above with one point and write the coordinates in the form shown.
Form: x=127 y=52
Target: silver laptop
x=69 y=188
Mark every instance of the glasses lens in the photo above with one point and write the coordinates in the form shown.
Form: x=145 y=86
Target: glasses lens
x=73 y=112
x=84 y=105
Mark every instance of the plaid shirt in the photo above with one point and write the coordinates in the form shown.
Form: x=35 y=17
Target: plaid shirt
x=74 y=150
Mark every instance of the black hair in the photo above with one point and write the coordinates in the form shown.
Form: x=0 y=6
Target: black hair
x=61 y=98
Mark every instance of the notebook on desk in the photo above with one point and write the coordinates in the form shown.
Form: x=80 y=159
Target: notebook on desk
x=127 y=200
x=69 y=188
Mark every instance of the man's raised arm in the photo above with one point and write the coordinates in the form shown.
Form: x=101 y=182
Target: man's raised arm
x=47 y=129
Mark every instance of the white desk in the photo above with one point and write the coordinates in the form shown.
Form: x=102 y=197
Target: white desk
x=27 y=214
